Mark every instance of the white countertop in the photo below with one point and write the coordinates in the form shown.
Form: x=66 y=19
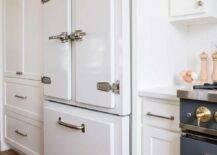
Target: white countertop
x=168 y=93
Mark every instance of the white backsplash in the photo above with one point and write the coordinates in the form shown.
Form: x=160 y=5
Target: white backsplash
x=161 y=46
x=201 y=38
x=164 y=49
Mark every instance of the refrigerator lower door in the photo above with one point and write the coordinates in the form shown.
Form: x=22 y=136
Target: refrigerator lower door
x=75 y=131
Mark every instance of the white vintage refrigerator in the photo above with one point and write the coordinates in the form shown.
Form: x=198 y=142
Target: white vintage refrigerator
x=86 y=79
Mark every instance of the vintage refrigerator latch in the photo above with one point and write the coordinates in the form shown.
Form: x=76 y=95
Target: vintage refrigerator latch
x=107 y=87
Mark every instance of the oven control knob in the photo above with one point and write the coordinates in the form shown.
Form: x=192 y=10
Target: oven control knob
x=203 y=114
x=189 y=115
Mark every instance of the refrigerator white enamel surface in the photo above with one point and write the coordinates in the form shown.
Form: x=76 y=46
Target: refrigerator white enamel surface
x=92 y=72
x=87 y=67
x=102 y=134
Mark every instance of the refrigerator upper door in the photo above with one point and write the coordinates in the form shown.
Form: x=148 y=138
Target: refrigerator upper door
x=57 y=51
x=103 y=53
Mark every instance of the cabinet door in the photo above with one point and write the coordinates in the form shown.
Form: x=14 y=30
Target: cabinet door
x=100 y=56
x=57 y=54
x=32 y=56
x=74 y=131
x=13 y=36
x=185 y=7
x=157 y=141
x=23 y=38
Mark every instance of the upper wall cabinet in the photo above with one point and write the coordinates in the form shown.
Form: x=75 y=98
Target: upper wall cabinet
x=193 y=11
x=23 y=39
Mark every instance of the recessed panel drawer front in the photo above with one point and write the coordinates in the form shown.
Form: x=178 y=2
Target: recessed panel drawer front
x=23 y=136
x=26 y=97
x=70 y=133
x=186 y=7
x=163 y=115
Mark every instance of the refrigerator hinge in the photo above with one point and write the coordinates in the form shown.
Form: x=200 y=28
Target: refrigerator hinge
x=107 y=87
x=46 y=80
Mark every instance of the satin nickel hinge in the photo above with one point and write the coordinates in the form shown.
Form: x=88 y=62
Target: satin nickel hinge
x=107 y=87
x=45 y=80
x=44 y=1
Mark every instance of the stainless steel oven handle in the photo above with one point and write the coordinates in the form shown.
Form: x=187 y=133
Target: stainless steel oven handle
x=71 y=126
x=160 y=116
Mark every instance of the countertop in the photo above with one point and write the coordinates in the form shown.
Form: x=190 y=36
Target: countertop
x=168 y=93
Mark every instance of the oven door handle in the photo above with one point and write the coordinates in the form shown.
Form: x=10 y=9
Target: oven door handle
x=160 y=116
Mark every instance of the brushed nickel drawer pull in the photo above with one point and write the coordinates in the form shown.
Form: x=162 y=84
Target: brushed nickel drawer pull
x=20 y=133
x=159 y=116
x=20 y=97
x=74 y=127
x=19 y=73
x=200 y=3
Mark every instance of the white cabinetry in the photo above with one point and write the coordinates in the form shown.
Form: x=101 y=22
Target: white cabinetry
x=23 y=115
x=160 y=126
x=156 y=141
x=24 y=134
x=74 y=131
x=24 y=97
x=22 y=39
x=193 y=11
x=23 y=93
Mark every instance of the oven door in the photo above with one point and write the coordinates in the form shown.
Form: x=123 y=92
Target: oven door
x=194 y=145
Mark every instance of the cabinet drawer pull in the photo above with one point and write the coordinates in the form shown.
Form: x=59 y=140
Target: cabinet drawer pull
x=159 y=116
x=20 y=97
x=20 y=133
x=200 y=3
x=74 y=127
x=19 y=73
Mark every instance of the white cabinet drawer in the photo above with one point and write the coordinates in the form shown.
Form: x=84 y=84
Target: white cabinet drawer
x=23 y=134
x=74 y=131
x=185 y=7
x=161 y=114
x=24 y=97
x=159 y=142
x=190 y=12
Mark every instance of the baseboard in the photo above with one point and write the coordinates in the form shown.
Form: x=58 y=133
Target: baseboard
x=4 y=146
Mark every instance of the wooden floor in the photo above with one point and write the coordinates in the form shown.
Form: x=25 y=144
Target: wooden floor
x=9 y=152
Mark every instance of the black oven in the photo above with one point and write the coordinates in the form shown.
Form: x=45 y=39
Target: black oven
x=199 y=129
x=197 y=144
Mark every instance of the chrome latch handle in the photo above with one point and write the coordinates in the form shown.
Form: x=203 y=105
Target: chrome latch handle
x=78 y=35
x=63 y=37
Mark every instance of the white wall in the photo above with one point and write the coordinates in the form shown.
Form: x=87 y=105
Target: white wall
x=161 y=46
x=201 y=38
x=165 y=49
